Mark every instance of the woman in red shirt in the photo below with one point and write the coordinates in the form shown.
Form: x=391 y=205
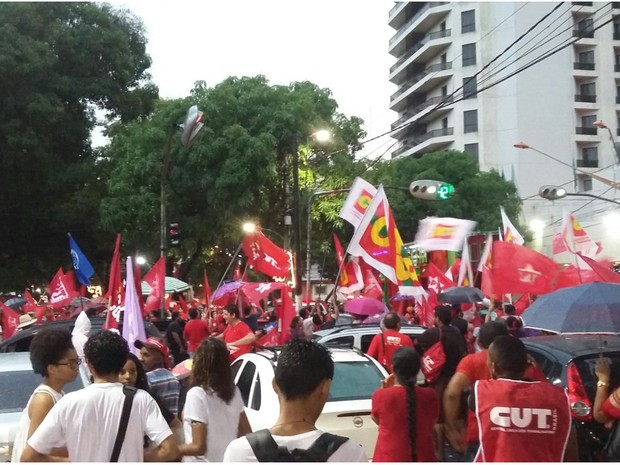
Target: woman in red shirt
x=401 y=402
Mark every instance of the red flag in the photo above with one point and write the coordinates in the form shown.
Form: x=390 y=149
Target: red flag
x=424 y=309
x=184 y=308
x=29 y=298
x=272 y=338
x=522 y=303
x=156 y=279
x=372 y=287
x=265 y=256
x=437 y=281
x=10 y=321
x=517 y=269
x=351 y=276
x=115 y=294
x=255 y=292
x=207 y=288
x=61 y=290
x=605 y=273
x=286 y=313
x=237 y=273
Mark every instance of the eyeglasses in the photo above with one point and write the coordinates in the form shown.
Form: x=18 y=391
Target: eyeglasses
x=71 y=363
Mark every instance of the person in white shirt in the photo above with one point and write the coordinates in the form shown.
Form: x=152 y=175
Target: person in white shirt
x=302 y=380
x=307 y=325
x=86 y=421
x=213 y=415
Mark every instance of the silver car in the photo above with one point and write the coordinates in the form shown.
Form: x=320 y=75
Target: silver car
x=17 y=382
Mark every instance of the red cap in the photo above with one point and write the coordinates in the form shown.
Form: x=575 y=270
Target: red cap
x=154 y=343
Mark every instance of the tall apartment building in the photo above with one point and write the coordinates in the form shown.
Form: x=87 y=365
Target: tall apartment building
x=551 y=106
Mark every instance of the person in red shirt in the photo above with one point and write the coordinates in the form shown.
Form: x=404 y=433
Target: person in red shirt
x=383 y=345
x=195 y=331
x=237 y=335
x=520 y=420
x=405 y=403
x=471 y=368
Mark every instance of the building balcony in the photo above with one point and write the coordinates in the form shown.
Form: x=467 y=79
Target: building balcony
x=585 y=98
x=584 y=66
x=431 y=141
x=419 y=83
x=587 y=163
x=581 y=3
x=421 y=21
x=400 y=66
x=397 y=15
x=586 y=131
x=422 y=112
x=584 y=34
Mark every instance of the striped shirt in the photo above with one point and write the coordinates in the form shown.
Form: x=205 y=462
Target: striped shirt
x=164 y=385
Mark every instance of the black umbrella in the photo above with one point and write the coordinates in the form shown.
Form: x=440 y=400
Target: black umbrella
x=460 y=295
x=16 y=303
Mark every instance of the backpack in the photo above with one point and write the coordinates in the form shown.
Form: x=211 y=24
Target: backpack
x=433 y=361
x=266 y=448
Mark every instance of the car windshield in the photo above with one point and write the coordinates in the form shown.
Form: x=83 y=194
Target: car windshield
x=354 y=381
x=16 y=387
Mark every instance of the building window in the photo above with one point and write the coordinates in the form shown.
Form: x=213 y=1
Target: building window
x=586 y=57
x=588 y=121
x=471 y=149
x=470 y=87
x=585 y=183
x=587 y=93
x=589 y=158
x=585 y=28
x=444 y=123
x=616 y=30
x=469 y=54
x=468 y=21
x=470 y=121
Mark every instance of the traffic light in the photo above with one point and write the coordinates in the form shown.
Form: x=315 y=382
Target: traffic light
x=174 y=234
x=191 y=126
x=552 y=192
x=427 y=189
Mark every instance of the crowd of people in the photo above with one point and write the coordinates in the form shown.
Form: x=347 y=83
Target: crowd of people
x=481 y=399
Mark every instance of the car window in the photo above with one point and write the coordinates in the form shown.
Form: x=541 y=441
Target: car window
x=587 y=365
x=256 y=395
x=366 y=340
x=354 y=381
x=234 y=368
x=244 y=383
x=342 y=341
x=16 y=388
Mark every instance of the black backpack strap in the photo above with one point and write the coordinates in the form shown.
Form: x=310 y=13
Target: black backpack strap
x=263 y=445
x=323 y=448
x=129 y=392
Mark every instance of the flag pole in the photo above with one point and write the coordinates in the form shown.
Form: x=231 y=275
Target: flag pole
x=228 y=267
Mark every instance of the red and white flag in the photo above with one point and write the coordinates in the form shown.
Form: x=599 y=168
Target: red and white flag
x=10 y=321
x=575 y=238
x=510 y=232
x=265 y=256
x=61 y=290
x=156 y=278
x=351 y=278
x=116 y=292
x=466 y=276
x=443 y=233
x=436 y=281
x=358 y=200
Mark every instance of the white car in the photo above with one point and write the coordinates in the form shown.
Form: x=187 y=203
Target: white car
x=347 y=411
x=17 y=383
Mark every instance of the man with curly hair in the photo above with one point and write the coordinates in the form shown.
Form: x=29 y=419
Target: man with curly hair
x=53 y=357
x=86 y=421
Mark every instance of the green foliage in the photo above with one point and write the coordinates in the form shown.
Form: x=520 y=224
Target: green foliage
x=59 y=63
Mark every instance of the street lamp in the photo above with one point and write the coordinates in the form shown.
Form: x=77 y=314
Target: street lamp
x=602 y=125
x=251 y=228
x=558 y=192
x=190 y=127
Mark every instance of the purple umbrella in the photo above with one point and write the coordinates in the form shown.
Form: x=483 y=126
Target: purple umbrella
x=226 y=288
x=364 y=306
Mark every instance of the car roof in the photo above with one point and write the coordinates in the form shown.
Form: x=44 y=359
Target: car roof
x=367 y=328
x=15 y=361
x=338 y=354
x=576 y=345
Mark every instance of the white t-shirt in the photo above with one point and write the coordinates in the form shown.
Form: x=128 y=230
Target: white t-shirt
x=307 y=326
x=222 y=421
x=86 y=423
x=240 y=450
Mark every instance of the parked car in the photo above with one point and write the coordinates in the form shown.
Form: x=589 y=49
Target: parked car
x=20 y=342
x=347 y=411
x=359 y=336
x=569 y=361
x=17 y=383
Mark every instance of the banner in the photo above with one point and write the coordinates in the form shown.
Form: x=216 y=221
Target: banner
x=358 y=200
x=81 y=265
x=510 y=232
x=133 y=325
x=517 y=269
x=443 y=233
x=116 y=293
x=265 y=256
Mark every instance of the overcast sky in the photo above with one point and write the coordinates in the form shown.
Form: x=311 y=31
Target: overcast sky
x=338 y=44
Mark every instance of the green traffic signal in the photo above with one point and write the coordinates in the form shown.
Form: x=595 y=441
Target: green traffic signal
x=444 y=191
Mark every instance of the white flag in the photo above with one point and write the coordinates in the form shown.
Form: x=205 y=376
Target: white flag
x=510 y=232
x=443 y=233
x=465 y=267
x=486 y=252
x=358 y=200
x=133 y=325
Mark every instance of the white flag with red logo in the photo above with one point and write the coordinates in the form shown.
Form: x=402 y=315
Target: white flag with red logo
x=61 y=290
x=510 y=232
x=575 y=238
x=443 y=233
x=360 y=196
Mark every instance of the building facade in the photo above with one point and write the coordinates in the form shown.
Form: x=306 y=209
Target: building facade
x=441 y=49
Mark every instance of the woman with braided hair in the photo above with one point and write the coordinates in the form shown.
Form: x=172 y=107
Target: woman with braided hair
x=401 y=402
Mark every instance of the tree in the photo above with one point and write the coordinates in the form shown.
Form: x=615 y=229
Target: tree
x=238 y=169
x=61 y=64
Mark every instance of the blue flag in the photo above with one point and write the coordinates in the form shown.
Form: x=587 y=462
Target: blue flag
x=81 y=265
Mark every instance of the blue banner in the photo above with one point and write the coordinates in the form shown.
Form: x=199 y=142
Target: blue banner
x=81 y=265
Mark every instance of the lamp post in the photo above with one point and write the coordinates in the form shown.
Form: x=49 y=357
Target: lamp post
x=190 y=127
x=250 y=228
x=558 y=192
x=602 y=125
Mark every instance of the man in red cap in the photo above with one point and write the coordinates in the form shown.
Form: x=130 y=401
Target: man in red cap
x=155 y=357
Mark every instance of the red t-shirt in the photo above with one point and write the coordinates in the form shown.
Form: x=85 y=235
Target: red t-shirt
x=474 y=366
x=392 y=340
x=233 y=334
x=194 y=333
x=389 y=407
